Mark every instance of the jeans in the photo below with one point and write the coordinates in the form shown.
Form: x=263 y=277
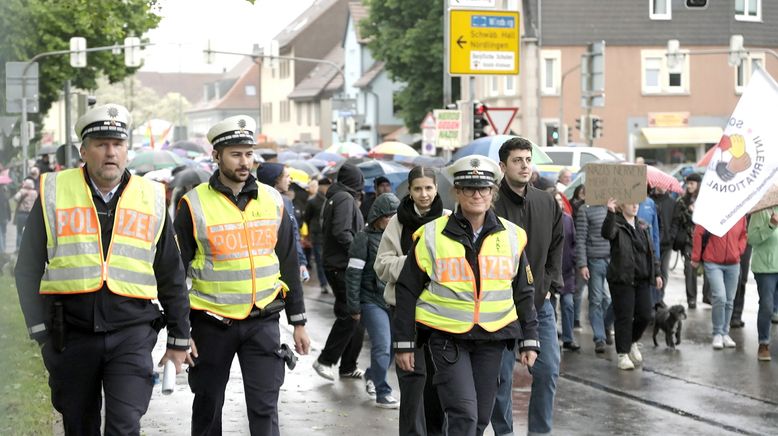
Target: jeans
x=317 y=247
x=740 y=295
x=723 y=285
x=600 y=308
x=544 y=379
x=567 y=308
x=376 y=321
x=767 y=285
x=632 y=308
x=580 y=284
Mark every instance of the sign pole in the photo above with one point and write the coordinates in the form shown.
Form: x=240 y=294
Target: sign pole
x=23 y=129
x=446 y=76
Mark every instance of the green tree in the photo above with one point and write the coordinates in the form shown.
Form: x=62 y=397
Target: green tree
x=408 y=36
x=29 y=27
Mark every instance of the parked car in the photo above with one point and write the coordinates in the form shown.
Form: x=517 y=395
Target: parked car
x=574 y=157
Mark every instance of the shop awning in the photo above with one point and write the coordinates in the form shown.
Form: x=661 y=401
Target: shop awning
x=682 y=135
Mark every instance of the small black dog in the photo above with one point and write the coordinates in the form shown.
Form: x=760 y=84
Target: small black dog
x=669 y=320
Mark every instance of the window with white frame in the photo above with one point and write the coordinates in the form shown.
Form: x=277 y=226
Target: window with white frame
x=658 y=78
x=299 y=108
x=284 y=68
x=660 y=10
x=284 y=111
x=494 y=85
x=746 y=68
x=510 y=85
x=748 y=10
x=267 y=113
x=550 y=71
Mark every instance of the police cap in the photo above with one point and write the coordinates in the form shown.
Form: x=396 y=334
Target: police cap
x=107 y=121
x=237 y=130
x=475 y=171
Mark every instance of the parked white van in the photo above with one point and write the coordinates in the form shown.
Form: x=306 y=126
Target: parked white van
x=574 y=158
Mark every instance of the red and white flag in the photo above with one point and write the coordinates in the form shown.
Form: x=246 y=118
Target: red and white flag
x=744 y=165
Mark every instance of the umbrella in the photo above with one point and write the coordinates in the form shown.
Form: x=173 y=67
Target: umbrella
x=657 y=178
x=347 y=149
x=287 y=155
x=164 y=175
x=445 y=186
x=190 y=177
x=302 y=147
x=318 y=163
x=429 y=161
x=4 y=179
x=47 y=149
x=489 y=146
x=328 y=156
x=393 y=171
x=393 y=148
x=303 y=165
x=75 y=155
x=299 y=176
x=189 y=146
x=155 y=160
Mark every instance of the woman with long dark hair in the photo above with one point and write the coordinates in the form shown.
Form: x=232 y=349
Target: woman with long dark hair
x=420 y=411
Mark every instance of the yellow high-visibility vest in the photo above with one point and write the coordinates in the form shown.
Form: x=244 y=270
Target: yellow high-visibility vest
x=74 y=245
x=451 y=301
x=235 y=267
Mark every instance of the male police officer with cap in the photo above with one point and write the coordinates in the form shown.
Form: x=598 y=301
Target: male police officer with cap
x=97 y=248
x=237 y=244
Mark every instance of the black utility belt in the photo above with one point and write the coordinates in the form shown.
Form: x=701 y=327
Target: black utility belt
x=271 y=309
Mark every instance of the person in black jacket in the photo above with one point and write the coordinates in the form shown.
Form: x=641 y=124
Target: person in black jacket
x=540 y=216
x=341 y=221
x=100 y=340
x=457 y=262
x=632 y=270
x=366 y=298
x=312 y=217
x=665 y=207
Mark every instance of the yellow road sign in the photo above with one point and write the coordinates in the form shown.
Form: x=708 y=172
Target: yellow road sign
x=483 y=42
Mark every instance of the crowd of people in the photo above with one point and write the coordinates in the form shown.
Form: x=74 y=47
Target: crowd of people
x=454 y=297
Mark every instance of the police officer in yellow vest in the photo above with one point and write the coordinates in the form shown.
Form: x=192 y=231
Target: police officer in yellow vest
x=97 y=249
x=467 y=279
x=238 y=247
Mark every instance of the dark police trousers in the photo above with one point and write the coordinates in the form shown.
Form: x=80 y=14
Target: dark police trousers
x=117 y=362
x=255 y=341
x=466 y=375
x=420 y=411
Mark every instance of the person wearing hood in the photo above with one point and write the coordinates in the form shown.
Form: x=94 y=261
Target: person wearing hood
x=366 y=298
x=420 y=412
x=24 y=199
x=341 y=221
x=277 y=175
x=237 y=245
x=468 y=280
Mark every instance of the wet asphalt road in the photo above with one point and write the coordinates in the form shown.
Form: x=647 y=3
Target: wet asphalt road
x=694 y=389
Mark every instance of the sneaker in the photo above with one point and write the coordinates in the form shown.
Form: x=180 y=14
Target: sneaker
x=625 y=363
x=370 y=388
x=609 y=337
x=325 y=371
x=572 y=346
x=718 y=342
x=728 y=342
x=774 y=318
x=634 y=354
x=599 y=347
x=577 y=326
x=736 y=324
x=764 y=352
x=692 y=305
x=325 y=290
x=356 y=373
x=388 y=402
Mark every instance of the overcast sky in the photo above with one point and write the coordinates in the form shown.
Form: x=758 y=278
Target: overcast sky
x=230 y=25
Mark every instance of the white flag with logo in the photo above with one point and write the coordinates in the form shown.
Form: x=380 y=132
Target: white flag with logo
x=744 y=166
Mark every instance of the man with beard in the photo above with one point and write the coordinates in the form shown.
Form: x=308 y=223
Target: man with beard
x=238 y=247
x=539 y=215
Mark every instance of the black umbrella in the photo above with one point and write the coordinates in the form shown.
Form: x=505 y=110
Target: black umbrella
x=190 y=177
x=75 y=155
x=189 y=146
x=47 y=149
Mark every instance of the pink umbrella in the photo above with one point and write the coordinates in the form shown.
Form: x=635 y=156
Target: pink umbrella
x=657 y=178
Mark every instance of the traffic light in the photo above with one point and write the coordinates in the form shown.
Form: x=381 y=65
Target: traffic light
x=479 y=120
x=596 y=127
x=552 y=135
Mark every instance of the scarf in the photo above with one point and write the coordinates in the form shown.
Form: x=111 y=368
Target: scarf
x=411 y=221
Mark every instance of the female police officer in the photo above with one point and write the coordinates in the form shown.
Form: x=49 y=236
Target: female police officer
x=466 y=279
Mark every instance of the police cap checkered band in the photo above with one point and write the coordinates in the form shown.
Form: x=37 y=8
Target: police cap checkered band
x=233 y=130
x=473 y=178
x=234 y=137
x=107 y=121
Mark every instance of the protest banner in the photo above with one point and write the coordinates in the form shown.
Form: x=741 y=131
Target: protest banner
x=624 y=182
x=744 y=165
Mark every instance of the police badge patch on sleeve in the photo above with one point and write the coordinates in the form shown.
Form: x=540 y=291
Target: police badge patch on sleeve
x=530 y=280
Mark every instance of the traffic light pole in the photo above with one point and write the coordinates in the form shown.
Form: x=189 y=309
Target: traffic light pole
x=562 y=128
